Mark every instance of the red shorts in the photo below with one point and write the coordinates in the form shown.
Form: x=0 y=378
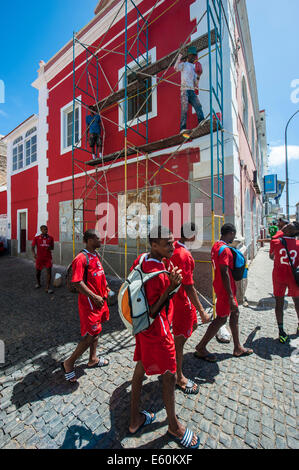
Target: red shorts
x=280 y=286
x=91 y=318
x=223 y=308
x=43 y=263
x=157 y=353
x=89 y=325
x=184 y=319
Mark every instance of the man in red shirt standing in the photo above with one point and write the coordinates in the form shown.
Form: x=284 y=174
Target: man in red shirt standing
x=185 y=304
x=225 y=290
x=44 y=244
x=155 y=349
x=282 y=275
x=90 y=281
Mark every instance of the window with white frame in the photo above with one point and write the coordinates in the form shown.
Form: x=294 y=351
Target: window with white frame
x=67 y=121
x=141 y=103
x=17 y=154
x=30 y=146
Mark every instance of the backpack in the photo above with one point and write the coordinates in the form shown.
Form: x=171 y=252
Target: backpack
x=133 y=307
x=294 y=270
x=239 y=270
x=69 y=273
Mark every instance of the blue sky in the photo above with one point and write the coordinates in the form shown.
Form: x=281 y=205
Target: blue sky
x=35 y=30
x=274 y=36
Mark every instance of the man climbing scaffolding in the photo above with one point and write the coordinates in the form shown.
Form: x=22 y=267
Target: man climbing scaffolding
x=191 y=71
x=94 y=129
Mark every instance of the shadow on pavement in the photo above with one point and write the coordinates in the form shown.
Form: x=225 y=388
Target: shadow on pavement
x=267 y=347
x=81 y=437
x=267 y=303
x=34 y=322
x=43 y=383
x=200 y=370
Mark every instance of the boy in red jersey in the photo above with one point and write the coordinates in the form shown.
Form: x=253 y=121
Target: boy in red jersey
x=225 y=290
x=185 y=304
x=155 y=349
x=91 y=284
x=44 y=244
x=282 y=274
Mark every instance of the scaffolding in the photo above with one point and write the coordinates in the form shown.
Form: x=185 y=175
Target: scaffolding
x=137 y=83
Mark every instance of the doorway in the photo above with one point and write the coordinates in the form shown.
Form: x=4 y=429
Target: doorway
x=22 y=231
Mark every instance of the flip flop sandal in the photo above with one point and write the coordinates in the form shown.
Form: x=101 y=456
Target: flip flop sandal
x=149 y=419
x=207 y=358
x=186 y=440
x=188 y=389
x=245 y=353
x=102 y=363
x=68 y=375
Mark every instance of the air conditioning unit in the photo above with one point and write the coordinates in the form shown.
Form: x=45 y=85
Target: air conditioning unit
x=256 y=183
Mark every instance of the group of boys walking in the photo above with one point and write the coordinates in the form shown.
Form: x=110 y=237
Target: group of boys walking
x=159 y=349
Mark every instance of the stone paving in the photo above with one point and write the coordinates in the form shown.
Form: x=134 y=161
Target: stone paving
x=243 y=403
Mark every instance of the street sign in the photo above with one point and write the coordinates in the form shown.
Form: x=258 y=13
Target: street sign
x=270 y=184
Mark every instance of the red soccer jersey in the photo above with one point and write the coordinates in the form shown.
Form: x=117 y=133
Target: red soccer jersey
x=278 y=235
x=184 y=316
x=155 y=346
x=95 y=281
x=226 y=259
x=183 y=259
x=282 y=269
x=43 y=243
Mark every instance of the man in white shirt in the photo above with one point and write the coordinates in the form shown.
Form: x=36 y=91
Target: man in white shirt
x=189 y=83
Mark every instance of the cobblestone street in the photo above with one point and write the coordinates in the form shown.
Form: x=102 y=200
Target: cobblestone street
x=248 y=402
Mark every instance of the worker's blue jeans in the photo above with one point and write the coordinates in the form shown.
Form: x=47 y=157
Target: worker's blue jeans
x=189 y=96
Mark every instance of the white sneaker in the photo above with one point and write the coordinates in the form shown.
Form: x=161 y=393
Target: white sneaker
x=93 y=156
x=223 y=335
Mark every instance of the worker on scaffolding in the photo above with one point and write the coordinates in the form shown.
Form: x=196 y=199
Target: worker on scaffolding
x=191 y=71
x=94 y=129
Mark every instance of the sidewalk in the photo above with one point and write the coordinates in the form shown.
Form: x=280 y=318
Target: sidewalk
x=249 y=402
x=259 y=290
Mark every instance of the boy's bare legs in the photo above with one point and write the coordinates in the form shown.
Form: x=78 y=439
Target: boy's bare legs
x=136 y=418
x=93 y=352
x=212 y=330
x=234 y=326
x=84 y=344
x=179 y=342
x=168 y=389
x=49 y=275
x=38 y=276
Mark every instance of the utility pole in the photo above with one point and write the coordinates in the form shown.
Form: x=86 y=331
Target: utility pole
x=287 y=166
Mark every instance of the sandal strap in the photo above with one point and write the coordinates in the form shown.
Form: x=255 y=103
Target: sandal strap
x=102 y=361
x=190 y=384
x=148 y=417
x=187 y=438
x=70 y=375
